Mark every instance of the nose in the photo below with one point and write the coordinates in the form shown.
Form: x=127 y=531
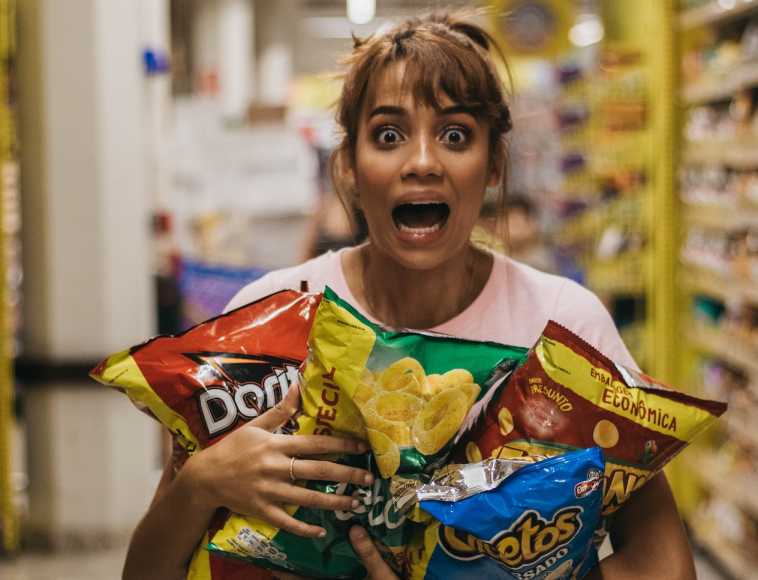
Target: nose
x=422 y=159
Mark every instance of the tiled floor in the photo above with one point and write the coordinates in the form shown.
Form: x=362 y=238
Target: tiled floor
x=107 y=565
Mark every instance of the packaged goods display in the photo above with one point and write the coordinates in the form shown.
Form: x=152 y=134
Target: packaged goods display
x=603 y=230
x=407 y=394
x=719 y=266
x=568 y=395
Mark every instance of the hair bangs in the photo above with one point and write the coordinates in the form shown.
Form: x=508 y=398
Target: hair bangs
x=429 y=72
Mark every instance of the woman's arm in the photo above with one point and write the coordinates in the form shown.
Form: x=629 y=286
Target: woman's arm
x=165 y=539
x=249 y=473
x=648 y=538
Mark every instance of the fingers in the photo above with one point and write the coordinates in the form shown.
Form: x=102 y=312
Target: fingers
x=376 y=567
x=321 y=445
x=279 y=414
x=301 y=496
x=327 y=471
x=281 y=519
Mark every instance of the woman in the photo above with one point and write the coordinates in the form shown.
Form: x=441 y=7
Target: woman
x=424 y=117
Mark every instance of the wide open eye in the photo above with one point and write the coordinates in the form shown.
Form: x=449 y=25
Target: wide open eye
x=455 y=136
x=387 y=136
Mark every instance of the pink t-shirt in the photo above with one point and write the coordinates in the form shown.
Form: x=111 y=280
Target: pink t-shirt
x=512 y=308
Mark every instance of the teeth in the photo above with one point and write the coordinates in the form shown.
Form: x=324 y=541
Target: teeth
x=429 y=230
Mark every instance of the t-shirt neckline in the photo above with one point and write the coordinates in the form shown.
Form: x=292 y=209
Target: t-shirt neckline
x=477 y=305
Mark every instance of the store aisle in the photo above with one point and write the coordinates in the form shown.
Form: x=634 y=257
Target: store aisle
x=101 y=565
x=106 y=565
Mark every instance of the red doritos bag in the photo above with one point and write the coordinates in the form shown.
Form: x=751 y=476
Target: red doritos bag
x=213 y=378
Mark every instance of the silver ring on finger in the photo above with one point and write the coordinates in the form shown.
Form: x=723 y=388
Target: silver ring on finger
x=292 y=470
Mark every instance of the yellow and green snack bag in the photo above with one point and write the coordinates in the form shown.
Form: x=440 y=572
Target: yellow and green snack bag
x=408 y=394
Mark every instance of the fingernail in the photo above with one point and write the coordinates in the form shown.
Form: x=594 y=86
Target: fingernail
x=355 y=503
x=368 y=479
x=322 y=534
x=359 y=532
x=362 y=447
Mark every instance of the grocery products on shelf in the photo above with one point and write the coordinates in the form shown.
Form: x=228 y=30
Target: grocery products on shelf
x=718 y=190
x=605 y=128
x=10 y=266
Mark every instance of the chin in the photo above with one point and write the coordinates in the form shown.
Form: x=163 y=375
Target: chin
x=423 y=259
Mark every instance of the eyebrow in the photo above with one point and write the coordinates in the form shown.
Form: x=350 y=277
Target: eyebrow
x=400 y=111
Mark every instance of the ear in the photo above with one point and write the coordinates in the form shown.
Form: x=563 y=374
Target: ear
x=497 y=167
x=346 y=170
x=496 y=171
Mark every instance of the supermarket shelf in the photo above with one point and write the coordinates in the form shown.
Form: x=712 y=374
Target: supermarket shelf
x=719 y=87
x=591 y=223
x=622 y=275
x=731 y=558
x=744 y=432
x=714 y=13
x=725 y=347
x=738 y=154
x=738 y=490
x=725 y=288
x=721 y=217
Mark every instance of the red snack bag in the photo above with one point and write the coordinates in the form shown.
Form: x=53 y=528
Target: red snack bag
x=219 y=374
x=213 y=378
x=567 y=395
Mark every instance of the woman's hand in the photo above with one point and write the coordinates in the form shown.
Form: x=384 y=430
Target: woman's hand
x=376 y=567
x=249 y=470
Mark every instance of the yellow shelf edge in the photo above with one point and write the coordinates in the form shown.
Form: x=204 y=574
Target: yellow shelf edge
x=729 y=488
x=738 y=153
x=723 y=287
x=714 y=13
x=722 y=86
x=720 y=217
x=729 y=556
x=725 y=347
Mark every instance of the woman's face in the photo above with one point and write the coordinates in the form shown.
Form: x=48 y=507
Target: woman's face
x=420 y=174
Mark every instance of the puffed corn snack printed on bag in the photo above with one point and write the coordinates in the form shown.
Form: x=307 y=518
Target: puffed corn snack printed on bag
x=407 y=394
x=568 y=395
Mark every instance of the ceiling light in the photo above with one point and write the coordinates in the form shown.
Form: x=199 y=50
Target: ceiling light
x=588 y=30
x=361 y=11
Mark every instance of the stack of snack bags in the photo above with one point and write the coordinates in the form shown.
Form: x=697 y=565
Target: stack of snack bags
x=419 y=398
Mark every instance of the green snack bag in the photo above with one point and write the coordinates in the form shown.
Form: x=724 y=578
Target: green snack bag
x=408 y=394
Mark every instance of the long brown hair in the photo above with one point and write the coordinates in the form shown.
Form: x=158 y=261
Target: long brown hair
x=443 y=52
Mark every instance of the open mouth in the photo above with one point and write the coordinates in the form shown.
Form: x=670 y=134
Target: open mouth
x=421 y=217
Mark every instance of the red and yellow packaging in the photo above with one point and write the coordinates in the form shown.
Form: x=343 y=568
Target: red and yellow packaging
x=212 y=379
x=567 y=395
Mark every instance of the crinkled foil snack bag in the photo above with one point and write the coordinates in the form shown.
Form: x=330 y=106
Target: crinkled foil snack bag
x=538 y=522
x=568 y=395
x=407 y=394
x=213 y=378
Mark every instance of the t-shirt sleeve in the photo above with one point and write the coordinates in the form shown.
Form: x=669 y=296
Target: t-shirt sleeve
x=582 y=312
x=260 y=288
